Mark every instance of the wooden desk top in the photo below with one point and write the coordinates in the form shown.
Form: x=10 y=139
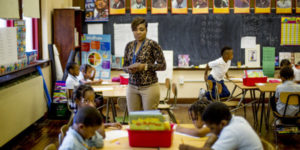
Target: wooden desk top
x=244 y=87
x=267 y=87
x=111 y=91
x=123 y=143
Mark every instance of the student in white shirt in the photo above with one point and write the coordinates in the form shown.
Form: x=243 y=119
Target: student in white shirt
x=219 y=67
x=288 y=85
x=72 y=81
x=232 y=132
x=296 y=69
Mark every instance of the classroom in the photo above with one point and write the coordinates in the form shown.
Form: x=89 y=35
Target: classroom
x=150 y=74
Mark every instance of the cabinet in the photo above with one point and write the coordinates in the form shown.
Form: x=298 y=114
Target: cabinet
x=66 y=22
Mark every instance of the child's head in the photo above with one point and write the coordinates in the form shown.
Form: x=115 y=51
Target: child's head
x=196 y=110
x=285 y=63
x=73 y=68
x=287 y=73
x=84 y=95
x=227 y=53
x=86 y=121
x=86 y=69
x=216 y=116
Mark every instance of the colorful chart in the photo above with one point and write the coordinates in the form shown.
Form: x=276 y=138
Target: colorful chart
x=290 y=31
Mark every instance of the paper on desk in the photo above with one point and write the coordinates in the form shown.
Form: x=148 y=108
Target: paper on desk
x=236 y=79
x=115 y=134
x=183 y=134
x=103 y=88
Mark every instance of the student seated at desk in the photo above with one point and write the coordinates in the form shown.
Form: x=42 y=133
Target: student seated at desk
x=87 y=75
x=195 y=112
x=296 y=69
x=228 y=132
x=219 y=67
x=83 y=96
x=83 y=135
x=72 y=81
x=288 y=85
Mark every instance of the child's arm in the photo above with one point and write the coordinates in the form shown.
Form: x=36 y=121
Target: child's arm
x=193 y=131
x=70 y=93
x=210 y=141
x=116 y=125
x=101 y=131
x=227 y=76
x=206 y=72
x=93 y=75
x=96 y=82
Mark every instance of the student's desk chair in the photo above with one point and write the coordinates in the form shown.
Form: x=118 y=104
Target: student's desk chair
x=63 y=132
x=284 y=121
x=168 y=86
x=168 y=107
x=218 y=91
x=50 y=147
x=266 y=145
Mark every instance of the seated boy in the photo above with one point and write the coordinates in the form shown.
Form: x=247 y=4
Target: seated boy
x=288 y=85
x=83 y=134
x=195 y=112
x=232 y=132
x=72 y=81
x=219 y=67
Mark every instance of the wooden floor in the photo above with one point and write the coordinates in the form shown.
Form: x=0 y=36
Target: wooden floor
x=45 y=131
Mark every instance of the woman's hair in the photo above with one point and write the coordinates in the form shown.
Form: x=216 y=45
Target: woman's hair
x=85 y=67
x=79 y=93
x=137 y=21
x=197 y=108
x=88 y=116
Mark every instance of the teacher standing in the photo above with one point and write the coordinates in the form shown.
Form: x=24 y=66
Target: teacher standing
x=142 y=58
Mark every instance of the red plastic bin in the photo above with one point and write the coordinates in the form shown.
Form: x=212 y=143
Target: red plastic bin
x=252 y=81
x=123 y=81
x=139 y=138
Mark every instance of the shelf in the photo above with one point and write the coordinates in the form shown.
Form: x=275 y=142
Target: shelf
x=21 y=72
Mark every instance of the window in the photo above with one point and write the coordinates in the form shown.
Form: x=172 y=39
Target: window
x=2 y=23
x=29 y=38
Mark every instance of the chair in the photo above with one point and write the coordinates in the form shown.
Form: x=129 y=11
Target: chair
x=63 y=132
x=168 y=86
x=266 y=145
x=218 y=91
x=168 y=107
x=284 y=124
x=50 y=147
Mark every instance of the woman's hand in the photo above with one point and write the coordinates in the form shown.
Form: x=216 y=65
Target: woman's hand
x=137 y=67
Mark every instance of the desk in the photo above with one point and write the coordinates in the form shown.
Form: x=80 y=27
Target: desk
x=123 y=143
x=263 y=88
x=245 y=89
x=110 y=92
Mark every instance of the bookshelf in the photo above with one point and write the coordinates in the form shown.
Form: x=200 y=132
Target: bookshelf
x=67 y=32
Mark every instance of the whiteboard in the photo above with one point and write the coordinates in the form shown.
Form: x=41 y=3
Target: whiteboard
x=168 y=73
x=123 y=35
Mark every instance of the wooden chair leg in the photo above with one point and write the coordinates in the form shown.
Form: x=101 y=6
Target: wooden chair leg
x=172 y=116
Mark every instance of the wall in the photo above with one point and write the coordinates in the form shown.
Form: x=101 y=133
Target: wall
x=47 y=7
x=22 y=103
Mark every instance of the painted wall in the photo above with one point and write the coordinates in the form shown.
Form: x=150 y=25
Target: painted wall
x=22 y=103
x=47 y=7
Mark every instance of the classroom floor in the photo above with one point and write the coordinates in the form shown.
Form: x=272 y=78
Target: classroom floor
x=45 y=131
